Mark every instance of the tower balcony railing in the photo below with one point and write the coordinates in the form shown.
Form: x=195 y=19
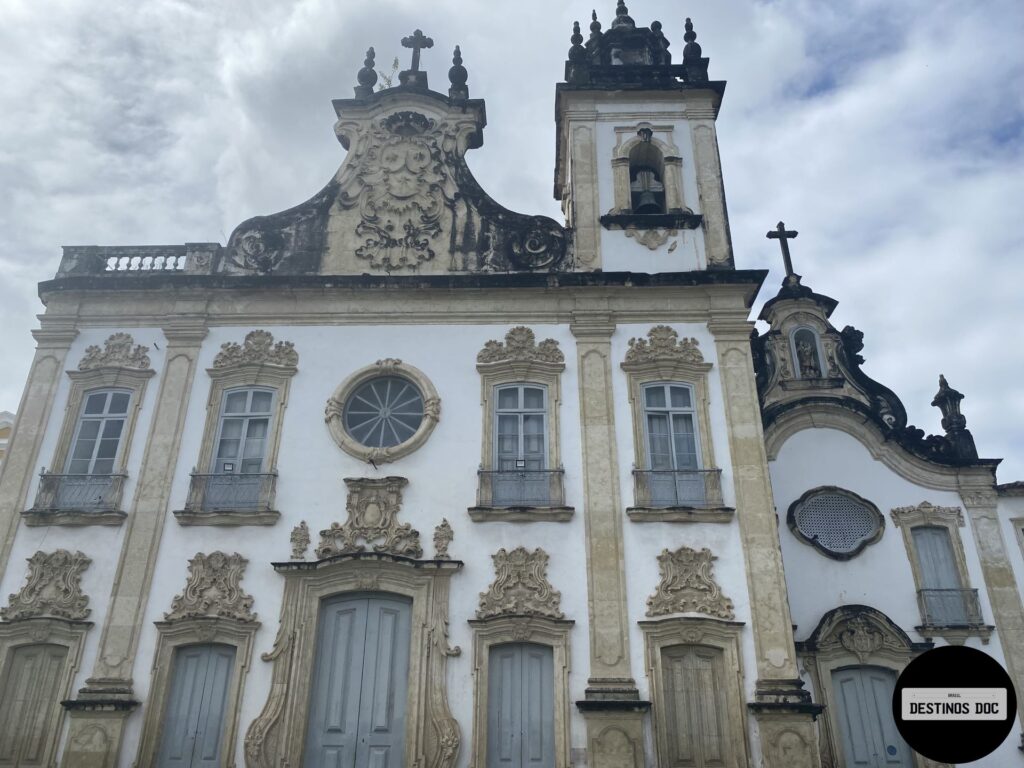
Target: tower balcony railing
x=950 y=607
x=521 y=488
x=231 y=492
x=672 y=488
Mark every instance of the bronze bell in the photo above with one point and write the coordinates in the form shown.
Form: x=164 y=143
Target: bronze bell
x=647 y=202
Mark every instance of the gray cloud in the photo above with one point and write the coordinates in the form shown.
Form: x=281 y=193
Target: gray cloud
x=890 y=135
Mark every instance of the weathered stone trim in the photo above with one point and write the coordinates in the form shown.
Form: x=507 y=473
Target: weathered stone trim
x=511 y=628
x=42 y=518
x=680 y=514
x=54 y=631
x=387 y=367
x=277 y=735
x=172 y=635
x=480 y=514
x=227 y=517
x=715 y=633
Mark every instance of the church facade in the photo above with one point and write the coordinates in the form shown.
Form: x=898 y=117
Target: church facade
x=399 y=477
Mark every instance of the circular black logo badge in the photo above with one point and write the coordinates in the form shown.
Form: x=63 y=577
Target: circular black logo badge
x=954 y=704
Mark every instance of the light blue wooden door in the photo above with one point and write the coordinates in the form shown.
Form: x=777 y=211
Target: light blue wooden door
x=360 y=684
x=194 y=712
x=870 y=738
x=29 y=703
x=520 y=710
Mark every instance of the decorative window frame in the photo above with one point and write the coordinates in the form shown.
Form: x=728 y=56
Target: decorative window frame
x=813 y=542
x=278 y=733
x=822 y=365
x=853 y=636
x=257 y=362
x=120 y=365
x=521 y=360
x=518 y=628
x=172 y=635
x=662 y=358
x=952 y=519
x=695 y=631
x=334 y=413
x=48 y=631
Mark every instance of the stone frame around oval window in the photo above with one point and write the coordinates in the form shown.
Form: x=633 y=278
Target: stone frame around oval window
x=334 y=414
x=822 y=489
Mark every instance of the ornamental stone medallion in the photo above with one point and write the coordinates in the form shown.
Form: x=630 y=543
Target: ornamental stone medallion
x=520 y=586
x=213 y=590
x=687 y=585
x=53 y=588
x=372 y=507
x=119 y=351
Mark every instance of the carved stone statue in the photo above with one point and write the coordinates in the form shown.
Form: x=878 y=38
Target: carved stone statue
x=807 y=357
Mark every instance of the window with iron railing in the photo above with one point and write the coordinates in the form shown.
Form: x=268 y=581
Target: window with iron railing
x=943 y=599
x=673 y=476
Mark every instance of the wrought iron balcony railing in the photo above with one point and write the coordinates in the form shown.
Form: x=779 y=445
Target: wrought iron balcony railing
x=79 y=493
x=521 y=488
x=696 y=488
x=950 y=607
x=242 y=492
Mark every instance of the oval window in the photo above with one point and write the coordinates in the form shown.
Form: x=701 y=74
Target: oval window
x=384 y=411
x=837 y=522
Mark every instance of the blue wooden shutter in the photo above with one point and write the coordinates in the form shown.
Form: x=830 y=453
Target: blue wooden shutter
x=940 y=578
x=520 y=708
x=870 y=738
x=29 y=702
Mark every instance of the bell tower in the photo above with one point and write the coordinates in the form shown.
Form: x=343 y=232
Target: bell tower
x=637 y=167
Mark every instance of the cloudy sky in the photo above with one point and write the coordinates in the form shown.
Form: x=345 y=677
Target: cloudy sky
x=890 y=134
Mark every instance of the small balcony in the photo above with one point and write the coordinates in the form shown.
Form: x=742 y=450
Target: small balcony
x=77 y=500
x=230 y=499
x=950 y=607
x=679 y=495
x=521 y=495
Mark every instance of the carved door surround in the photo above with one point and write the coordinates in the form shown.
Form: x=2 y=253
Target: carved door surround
x=277 y=735
x=853 y=636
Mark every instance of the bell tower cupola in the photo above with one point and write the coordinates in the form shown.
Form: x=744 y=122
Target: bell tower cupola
x=637 y=167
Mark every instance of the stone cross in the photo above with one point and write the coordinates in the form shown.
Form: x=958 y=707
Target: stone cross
x=417 y=41
x=783 y=235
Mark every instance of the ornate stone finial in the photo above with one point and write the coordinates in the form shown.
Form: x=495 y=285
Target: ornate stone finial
x=520 y=346
x=457 y=76
x=661 y=345
x=373 y=506
x=259 y=349
x=691 y=51
x=595 y=26
x=954 y=422
x=415 y=77
x=687 y=585
x=443 y=536
x=367 y=76
x=577 y=52
x=53 y=588
x=520 y=586
x=119 y=351
x=622 y=18
x=213 y=589
x=300 y=541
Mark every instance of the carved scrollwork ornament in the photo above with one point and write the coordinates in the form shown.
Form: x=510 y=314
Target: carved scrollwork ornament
x=521 y=346
x=300 y=541
x=372 y=506
x=520 y=586
x=687 y=585
x=258 y=348
x=443 y=536
x=663 y=345
x=118 y=351
x=213 y=589
x=53 y=588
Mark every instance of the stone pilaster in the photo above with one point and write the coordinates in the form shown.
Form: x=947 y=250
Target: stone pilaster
x=53 y=340
x=583 y=191
x=612 y=709
x=718 y=240
x=782 y=707
x=979 y=495
x=98 y=714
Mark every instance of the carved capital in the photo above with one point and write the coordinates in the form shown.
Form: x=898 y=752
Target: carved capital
x=663 y=345
x=257 y=349
x=687 y=585
x=213 y=589
x=53 y=588
x=520 y=586
x=373 y=506
x=119 y=351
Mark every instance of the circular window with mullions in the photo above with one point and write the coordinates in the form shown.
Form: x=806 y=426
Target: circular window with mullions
x=836 y=522
x=383 y=412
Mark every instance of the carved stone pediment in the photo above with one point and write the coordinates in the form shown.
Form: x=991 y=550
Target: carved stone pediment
x=663 y=345
x=858 y=629
x=927 y=513
x=119 y=351
x=53 y=588
x=687 y=585
x=520 y=346
x=213 y=589
x=520 y=586
x=259 y=349
x=373 y=506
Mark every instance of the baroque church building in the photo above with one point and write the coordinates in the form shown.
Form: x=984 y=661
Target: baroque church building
x=401 y=478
